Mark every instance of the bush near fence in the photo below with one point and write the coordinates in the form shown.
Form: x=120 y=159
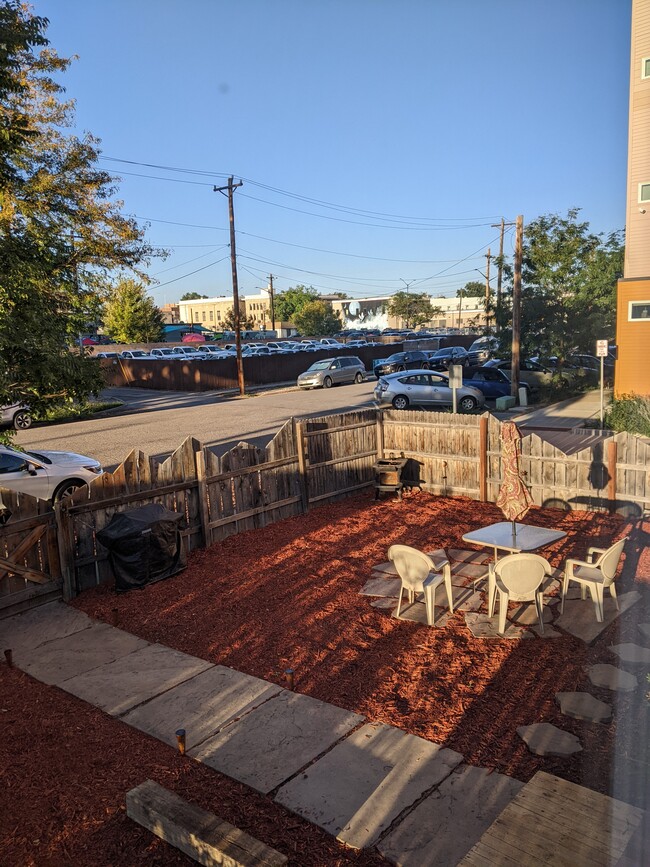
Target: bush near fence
x=46 y=552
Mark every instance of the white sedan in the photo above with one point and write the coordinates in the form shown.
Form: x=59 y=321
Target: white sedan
x=46 y=475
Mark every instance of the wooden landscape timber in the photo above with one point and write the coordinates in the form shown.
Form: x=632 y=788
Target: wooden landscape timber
x=46 y=553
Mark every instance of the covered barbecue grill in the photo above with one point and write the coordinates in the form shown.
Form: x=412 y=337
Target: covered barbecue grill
x=388 y=476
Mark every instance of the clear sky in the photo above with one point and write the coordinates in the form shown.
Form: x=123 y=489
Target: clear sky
x=377 y=139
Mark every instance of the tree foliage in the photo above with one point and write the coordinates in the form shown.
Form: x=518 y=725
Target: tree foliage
x=413 y=308
x=246 y=323
x=62 y=236
x=131 y=316
x=192 y=296
x=472 y=289
x=569 y=278
x=288 y=304
x=317 y=318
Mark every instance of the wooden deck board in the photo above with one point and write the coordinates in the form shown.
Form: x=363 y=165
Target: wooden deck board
x=552 y=821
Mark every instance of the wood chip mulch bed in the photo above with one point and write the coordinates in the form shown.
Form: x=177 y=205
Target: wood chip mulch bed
x=287 y=596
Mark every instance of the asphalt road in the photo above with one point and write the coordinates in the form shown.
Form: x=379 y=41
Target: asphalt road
x=158 y=422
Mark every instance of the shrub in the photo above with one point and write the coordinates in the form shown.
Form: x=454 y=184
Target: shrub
x=629 y=413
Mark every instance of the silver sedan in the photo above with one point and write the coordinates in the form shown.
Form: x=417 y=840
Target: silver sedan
x=425 y=388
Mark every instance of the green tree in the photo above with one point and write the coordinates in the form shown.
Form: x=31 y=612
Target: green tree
x=131 y=315
x=569 y=278
x=317 y=318
x=192 y=296
x=291 y=302
x=62 y=235
x=413 y=308
x=246 y=323
x=473 y=289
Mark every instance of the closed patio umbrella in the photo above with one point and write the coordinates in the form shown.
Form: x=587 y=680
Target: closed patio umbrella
x=514 y=498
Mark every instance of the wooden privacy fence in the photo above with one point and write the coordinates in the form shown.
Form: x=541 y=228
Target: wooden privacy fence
x=46 y=552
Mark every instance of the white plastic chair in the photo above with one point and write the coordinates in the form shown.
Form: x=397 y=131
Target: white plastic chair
x=518 y=578
x=419 y=574
x=595 y=573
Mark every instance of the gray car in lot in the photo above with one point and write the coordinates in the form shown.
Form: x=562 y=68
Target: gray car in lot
x=333 y=371
x=425 y=388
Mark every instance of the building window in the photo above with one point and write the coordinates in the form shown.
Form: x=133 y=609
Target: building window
x=219 y=315
x=638 y=311
x=203 y=315
x=196 y=316
x=645 y=67
x=212 y=316
x=644 y=192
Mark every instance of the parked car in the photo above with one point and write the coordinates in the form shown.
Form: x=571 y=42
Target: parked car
x=211 y=350
x=168 y=353
x=532 y=373
x=333 y=371
x=17 y=415
x=442 y=358
x=105 y=355
x=401 y=361
x=482 y=350
x=134 y=353
x=425 y=388
x=329 y=341
x=47 y=475
x=192 y=353
x=491 y=381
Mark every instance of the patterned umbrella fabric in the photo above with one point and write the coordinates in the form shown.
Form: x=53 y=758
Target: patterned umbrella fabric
x=514 y=498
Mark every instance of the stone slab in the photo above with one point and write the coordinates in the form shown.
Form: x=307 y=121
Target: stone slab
x=644 y=629
x=613 y=678
x=202 y=706
x=387 y=568
x=385 y=603
x=632 y=654
x=134 y=679
x=544 y=739
x=525 y=614
x=59 y=660
x=473 y=571
x=548 y=632
x=482 y=626
x=416 y=612
x=360 y=787
x=579 y=616
x=469 y=799
x=273 y=742
x=466 y=598
x=381 y=587
x=463 y=555
x=582 y=705
x=39 y=625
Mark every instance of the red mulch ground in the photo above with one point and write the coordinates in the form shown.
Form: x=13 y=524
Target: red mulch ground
x=287 y=596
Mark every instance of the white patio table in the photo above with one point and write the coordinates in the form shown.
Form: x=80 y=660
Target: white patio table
x=504 y=537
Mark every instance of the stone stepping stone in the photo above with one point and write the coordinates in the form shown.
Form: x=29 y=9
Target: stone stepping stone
x=526 y=615
x=544 y=739
x=387 y=568
x=58 y=661
x=549 y=632
x=632 y=654
x=463 y=555
x=381 y=587
x=644 y=629
x=133 y=679
x=579 y=616
x=202 y=705
x=45 y=623
x=466 y=598
x=416 y=612
x=612 y=678
x=482 y=626
x=273 y=742
x=582 y=705
x=469 y=570
x=361 y=786
x=384 y=603
x=469 y=799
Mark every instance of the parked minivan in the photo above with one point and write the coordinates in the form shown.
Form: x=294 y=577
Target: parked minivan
x=333 y=371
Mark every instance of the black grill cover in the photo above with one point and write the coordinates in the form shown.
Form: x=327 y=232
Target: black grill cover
x=144 y=545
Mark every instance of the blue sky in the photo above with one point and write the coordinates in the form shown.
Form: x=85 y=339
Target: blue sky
x=421 y=121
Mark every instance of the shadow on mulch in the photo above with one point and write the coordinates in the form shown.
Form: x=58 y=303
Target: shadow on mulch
x=287 y=595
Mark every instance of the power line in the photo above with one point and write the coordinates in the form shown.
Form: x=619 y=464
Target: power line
x=195 y=259
x=176 y=279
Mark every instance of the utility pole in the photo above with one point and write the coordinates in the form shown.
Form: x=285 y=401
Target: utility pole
x=408 y=306
x=235 y=288
x=516 y=306
x=272 y=302
x=460 y=306
x=487 y=293
x=500 y=268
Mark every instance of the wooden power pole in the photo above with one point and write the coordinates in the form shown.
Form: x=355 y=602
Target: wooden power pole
x=235 y=286
x=272 y=302
x=488 y=257
x=516 y=307
x=499 y=270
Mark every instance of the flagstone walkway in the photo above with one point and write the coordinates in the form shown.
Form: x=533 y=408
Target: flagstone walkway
x=367 y=783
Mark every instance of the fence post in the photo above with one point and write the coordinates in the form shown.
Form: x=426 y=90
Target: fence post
x=612 y=456
x=302 y=464
x=482 y=458
x=380 y=434
x=204 y=505
x=66 y=551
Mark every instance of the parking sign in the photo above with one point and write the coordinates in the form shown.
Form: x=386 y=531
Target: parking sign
x=456 y=375
x=601 y=349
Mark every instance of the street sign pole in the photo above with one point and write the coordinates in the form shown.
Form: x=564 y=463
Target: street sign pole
x=602 y=349
x=455 y=381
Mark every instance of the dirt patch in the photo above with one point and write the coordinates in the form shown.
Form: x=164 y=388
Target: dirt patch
x=287 y=596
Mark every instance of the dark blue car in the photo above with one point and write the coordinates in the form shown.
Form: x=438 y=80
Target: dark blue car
x=490 y=380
